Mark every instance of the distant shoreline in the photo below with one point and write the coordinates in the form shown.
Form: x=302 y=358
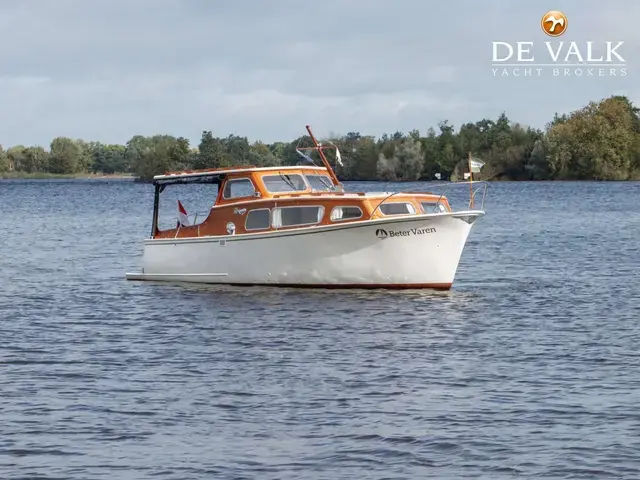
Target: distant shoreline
x=60 y=176
x=133 y=178
x=599 y=142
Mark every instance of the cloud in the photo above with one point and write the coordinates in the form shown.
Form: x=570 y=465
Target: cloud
x=109 y=70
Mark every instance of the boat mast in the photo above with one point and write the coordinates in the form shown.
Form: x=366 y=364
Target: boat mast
x=324 y=159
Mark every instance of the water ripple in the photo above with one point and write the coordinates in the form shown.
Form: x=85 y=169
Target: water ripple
x=527 y=368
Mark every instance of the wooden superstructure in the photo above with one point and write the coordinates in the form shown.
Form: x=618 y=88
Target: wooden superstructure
x=258 y=200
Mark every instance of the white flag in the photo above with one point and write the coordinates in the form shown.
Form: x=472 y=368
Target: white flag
x=338 y=157
x=476 y=166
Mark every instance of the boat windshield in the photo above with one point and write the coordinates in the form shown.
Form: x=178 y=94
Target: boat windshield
x=320 y=183
x=284 y=182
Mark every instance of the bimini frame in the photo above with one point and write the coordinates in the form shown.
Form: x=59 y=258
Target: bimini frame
x=201 y=177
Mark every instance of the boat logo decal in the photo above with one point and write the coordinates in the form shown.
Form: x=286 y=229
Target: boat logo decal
x=382 y=233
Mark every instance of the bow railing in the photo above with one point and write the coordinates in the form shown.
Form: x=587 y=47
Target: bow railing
x=447 y=186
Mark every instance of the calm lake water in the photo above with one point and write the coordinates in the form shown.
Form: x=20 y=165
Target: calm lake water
x=529 y=367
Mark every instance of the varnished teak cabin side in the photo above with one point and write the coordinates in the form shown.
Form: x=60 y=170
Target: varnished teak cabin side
x=236 y=210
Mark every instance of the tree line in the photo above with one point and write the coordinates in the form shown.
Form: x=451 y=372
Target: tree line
x=601 y=141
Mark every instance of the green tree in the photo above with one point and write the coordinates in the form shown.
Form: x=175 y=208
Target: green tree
x=180 y=154
x=597 y=142
x=36 y=159
x=17 y=159
x=134 y=149
x=236 y=151
x=4 y=160
x=107 y=158
x=67 y=156
x=261 y=156
x=211 y=152
x=157 y=155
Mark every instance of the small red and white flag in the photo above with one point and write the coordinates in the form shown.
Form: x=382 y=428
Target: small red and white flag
x=183 y=218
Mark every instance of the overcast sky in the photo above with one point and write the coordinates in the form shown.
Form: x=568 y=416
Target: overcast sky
x=109 y=69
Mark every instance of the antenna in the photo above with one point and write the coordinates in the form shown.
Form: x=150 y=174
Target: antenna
x=324 y=159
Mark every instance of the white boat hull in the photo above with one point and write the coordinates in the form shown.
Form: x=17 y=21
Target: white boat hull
x=417 y=252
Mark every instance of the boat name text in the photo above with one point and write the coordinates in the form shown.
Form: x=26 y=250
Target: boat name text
x=382 y=233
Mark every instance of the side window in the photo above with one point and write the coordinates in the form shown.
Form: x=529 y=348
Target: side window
x=433 y=207
x=290 y=216
x=320 y=182
x=284 y=183
x=345 y=213
x=258 y=219
x=397 y=208
x=241 y=187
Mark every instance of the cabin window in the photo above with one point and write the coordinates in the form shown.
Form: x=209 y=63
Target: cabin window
x=291 y=216
x=284 y=183
x=258 y=219
x=321 y=183
x=397 y=208
x=241 y=187
x=433 y=207
x=196 y=201
x=345 y=213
